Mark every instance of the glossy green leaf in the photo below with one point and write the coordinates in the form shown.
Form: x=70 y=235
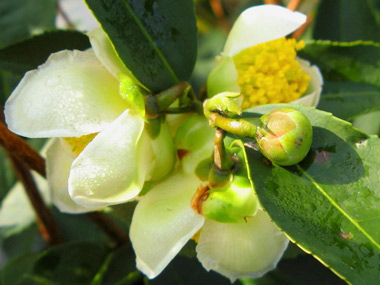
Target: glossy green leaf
x=352 y=75
x=119 y=268
x=26 y=55
x=156 y=39
x=347 y=106
x=329 y=204
x=23 y=18
x=356 y=61
x=70 y=263
x=348 y=20
x=14 y=271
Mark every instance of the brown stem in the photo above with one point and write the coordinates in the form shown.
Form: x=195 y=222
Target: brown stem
x=293 y=4
x=274 y=2
x=109 y=227
x=297 y=34
x=45 y=221
x=65 y=17
x=19 y=148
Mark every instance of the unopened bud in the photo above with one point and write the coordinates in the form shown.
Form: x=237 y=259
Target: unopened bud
x=285 y=136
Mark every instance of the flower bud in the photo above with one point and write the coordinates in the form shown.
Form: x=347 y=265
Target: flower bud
x=229 y=197
x=231 y=203
x=285 y=136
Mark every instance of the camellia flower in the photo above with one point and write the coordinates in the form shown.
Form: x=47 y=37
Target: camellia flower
x=104 y=153
x=261 y=64
x=164 y=220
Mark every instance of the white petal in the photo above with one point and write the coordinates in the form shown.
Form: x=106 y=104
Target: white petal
x=16 y=208
x=59 y=158
x=163 y=222
x=261 y=24
x=105 y=52
x=243 y=249
x=113 y=166
x=164 y=153
x=72 y=94
x=313 y=93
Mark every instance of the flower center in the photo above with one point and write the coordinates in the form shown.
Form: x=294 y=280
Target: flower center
x=78 y=144
x=269 y=73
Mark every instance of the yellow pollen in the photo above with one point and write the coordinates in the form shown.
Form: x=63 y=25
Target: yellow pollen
x=269 y=73
x=78 y=144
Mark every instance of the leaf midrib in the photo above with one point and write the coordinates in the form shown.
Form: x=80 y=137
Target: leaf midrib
x=345 y=214
x=152 y=43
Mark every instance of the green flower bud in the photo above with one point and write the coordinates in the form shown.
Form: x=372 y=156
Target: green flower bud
x=285 y=136
x=231 y=203
x=233 y=200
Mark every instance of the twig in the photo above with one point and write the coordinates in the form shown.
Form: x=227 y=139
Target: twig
x=297 y=34
x=19 y=148
x=293 y=4
x=65 y=17
x=109 y=227
x=275 y=2
x=45 y=221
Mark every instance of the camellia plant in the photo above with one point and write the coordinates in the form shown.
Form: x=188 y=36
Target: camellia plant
x=191 y=142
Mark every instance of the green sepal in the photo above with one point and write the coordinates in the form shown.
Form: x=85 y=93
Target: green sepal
x=223 y=77
x=131 y=92
x=235 y=201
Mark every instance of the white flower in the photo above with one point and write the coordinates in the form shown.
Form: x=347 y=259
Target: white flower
x=163 y=221
x=257 y=28
x=76 y=95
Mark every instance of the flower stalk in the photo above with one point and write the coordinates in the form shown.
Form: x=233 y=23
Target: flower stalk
x=45 y=221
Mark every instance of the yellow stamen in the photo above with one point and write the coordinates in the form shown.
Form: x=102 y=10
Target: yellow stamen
x=78 y=144
x=196 y=236
x=269 y=73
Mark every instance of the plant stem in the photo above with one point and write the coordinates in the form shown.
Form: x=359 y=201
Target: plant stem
x=159 y=103
x=239 y=127
x=45 y=221
x=109 y=227
x=19 y=148
x=293 y=4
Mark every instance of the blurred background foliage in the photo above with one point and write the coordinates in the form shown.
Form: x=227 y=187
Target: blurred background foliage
x=86 y=257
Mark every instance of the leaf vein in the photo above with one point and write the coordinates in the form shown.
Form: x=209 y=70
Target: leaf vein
x=345 y=214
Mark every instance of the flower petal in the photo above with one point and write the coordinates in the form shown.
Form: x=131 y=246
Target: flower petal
x=313 y=93
x=261 y=24
x=105 y=52
x=163 y=222
x=239 y=250
x=113 y=166
x=16 y=209
x=224 y=77
x=70 y=95
x=59 y=158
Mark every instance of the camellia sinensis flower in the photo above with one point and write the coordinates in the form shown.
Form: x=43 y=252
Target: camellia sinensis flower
x=104 y=153
x=261 y=64
x=164 y=220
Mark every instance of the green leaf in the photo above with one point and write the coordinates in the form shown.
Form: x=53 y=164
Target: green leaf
x=23 y=56
x=156 y=39
x=24 y=18
x=329 y=204
x=348 y=20
x=352 y=75
x=118 y=268
x=357 y=61
x=70 y=263
x=13 y=272
x=349 y=105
